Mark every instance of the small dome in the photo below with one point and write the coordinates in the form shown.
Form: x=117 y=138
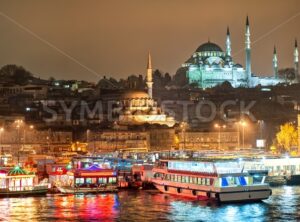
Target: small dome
x=17 y=171
x=135 y=95
x=209 y=47
x=238 y=66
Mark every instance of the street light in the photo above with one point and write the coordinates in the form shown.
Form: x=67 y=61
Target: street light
x=18 y=126
x=243 y=124
x=183 y=129
x=31 y=127
x=217 y=126
x=261 y=124
x=1 y=131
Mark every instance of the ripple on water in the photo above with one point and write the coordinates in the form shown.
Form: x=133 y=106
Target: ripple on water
x=148 y=206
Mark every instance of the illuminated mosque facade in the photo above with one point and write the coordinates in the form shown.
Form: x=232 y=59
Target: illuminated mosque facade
x=210 y=66
x=139 y=107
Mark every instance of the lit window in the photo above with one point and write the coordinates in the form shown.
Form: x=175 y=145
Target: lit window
x=199 y=181
x=112 y=180
x=191 y=179
x=173 y=177
x=79 y=180
x=224 y=182
x=208 y=182
x=102 y=180
x=187 y=178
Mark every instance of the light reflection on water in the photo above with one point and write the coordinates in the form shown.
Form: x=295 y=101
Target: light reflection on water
x=148 y=206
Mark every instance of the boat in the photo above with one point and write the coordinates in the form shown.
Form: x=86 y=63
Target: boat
x=281 y=171
x=223 y=181
x=91 y=180
x=18 y=182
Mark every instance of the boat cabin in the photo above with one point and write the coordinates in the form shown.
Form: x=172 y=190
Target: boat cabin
x=16 y=179
x=94 y=176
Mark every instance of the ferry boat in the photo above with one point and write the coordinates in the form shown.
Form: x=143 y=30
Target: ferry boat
x=91 y=180
x=281 y=171
x=220 y=181
x=18 y=182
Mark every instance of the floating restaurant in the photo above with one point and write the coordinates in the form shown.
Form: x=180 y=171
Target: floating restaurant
x=18 y=182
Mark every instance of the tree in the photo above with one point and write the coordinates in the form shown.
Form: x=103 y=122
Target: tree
x=15 y=74
x=287 y=73
x=287 y=136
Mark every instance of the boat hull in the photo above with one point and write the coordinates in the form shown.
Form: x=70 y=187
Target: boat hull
x=25 y=193
x=74 y=190
x=205 y=195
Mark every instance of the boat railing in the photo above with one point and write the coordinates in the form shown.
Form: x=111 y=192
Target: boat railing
x=23 y=188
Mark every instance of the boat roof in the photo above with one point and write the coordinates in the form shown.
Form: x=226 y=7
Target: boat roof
x=18 y=171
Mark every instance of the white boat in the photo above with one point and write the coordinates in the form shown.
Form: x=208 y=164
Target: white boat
x=280 y=170
x=219 y=181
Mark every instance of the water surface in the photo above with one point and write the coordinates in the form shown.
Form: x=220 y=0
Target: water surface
x=284 y=205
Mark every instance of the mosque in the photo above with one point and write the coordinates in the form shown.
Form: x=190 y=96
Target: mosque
x=139 y=107
x=210 y=66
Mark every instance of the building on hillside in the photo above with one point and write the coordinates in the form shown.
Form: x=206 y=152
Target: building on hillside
x=118 y=140
x=208 y=140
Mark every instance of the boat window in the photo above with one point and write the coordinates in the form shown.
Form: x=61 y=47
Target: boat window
x=175 y=178
x=88 y=180
x=112 y=180
x=256 y=179
x=79 y=181
x=199 y=181
x=187 y=178
x=167 y=177
x=203 y=181
x=158 y=175
x=102 y=180
x=191 y=179
x=242 y=181
x=224 y=182
x=179 y=179
x=207 y=181
x=183 y=179
x=231 y=181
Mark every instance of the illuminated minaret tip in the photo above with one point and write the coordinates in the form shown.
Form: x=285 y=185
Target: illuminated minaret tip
x=149 y=81
x=248 y=51
x=275 y=63
x=228 y=43
x=296 y=62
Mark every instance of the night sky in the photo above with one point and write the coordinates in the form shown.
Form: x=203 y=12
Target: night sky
x=89 y=39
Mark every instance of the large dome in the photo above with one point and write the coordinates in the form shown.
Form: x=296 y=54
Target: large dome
x=135 y=95
x=209 y=47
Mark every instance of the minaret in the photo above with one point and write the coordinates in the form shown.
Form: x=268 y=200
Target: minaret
x=275 y=63
x=248 y=51
x=296 y=62
x=149 y=81
x=228 y=43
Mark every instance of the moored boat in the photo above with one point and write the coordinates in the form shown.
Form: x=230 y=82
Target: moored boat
x=91 y=180
x=18 y=182
x=219 y=181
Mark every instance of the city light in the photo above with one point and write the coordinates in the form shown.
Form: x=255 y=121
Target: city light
x=97 y=130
